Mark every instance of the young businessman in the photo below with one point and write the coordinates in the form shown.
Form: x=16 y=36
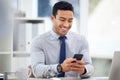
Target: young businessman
x=50 y=59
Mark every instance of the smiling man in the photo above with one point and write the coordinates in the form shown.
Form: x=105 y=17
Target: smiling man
x=52 y=52
x=62 y=22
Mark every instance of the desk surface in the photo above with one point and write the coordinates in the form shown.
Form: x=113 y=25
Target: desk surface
x=66 y=78
x=71 y=78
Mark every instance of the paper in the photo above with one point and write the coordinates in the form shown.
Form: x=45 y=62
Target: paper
x=55 y=79
x=1 y=75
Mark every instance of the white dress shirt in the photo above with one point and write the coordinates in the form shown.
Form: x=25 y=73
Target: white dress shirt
x=45 y=51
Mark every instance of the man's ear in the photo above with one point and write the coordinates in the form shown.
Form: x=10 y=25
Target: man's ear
x=52 y=17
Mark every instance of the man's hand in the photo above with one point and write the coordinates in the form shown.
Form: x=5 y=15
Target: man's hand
x=78 y=66
x=67 y=65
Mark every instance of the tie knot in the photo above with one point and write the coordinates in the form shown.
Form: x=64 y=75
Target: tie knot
x=62 y=37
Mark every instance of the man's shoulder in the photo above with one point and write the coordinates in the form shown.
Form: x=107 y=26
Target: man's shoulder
x=42 y=36
x=75 y=35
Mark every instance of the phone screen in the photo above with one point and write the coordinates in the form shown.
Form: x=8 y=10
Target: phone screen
x=78 y=57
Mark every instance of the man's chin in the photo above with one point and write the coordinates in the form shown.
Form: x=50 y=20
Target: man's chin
x=63 y=34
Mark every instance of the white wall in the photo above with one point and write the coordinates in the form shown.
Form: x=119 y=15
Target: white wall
x=29 y=7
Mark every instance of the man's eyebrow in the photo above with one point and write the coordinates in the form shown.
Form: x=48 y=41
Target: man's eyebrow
x=71 y=18
x=62 y=18
x=65 y=18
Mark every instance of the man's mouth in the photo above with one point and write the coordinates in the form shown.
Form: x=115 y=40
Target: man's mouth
x=64 y=29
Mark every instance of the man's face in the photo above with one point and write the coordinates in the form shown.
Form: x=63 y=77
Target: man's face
x=62 y=22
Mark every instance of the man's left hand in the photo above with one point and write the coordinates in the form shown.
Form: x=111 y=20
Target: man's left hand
x=78 y=67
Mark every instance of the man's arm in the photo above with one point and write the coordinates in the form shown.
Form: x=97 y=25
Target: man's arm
x=39 y=68
x=86 y=58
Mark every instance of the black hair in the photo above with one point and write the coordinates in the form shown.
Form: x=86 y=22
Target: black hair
x=62 y=5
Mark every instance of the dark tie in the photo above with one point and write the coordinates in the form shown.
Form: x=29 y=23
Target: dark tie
x=62 y=52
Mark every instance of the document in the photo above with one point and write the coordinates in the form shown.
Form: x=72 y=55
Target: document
x=1 y=75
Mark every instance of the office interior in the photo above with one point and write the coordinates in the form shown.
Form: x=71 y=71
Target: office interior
x=97 y=20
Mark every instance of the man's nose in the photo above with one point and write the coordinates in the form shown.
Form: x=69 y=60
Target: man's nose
x=66 y=24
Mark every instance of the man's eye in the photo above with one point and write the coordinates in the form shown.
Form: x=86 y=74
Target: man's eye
x=70 y=21
x=62 y=20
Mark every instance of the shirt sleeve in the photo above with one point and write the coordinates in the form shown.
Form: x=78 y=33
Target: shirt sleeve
x=86 y=58
x=40 y=70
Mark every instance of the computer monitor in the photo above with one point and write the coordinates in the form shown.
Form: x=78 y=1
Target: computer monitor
x=115 y=67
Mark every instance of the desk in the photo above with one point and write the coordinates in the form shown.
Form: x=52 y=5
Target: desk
x=72 y=78
x=66 y=78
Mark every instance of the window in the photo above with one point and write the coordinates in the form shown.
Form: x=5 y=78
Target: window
x=103 y=27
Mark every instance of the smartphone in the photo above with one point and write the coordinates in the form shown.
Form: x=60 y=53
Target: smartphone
x=78 y=57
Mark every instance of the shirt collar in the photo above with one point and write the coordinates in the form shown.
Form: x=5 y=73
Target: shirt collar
x=55 y=36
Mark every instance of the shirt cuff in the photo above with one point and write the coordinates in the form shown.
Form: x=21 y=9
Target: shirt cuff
x=89 y=71
x=55 y=68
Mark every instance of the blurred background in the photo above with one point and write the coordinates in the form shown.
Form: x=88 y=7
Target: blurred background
x=22 y=20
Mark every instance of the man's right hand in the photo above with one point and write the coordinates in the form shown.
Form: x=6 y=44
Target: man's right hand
x=66 y=65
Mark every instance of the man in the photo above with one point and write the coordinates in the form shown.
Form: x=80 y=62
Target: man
x=49 y=59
